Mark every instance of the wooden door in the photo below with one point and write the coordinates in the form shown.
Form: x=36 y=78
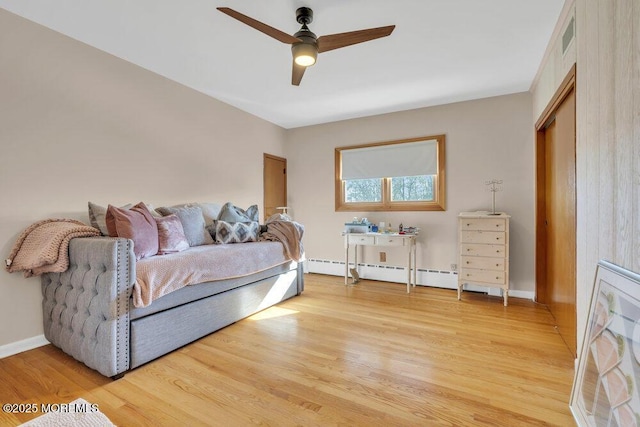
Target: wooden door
x=556 y=251
x=275 y=184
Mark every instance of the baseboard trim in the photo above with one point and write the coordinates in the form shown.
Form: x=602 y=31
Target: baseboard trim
x=24 y=345
x=388 y=273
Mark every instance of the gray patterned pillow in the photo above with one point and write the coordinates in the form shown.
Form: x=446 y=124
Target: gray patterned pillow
x=237 y=232
x=192 y=222
x=232 y=213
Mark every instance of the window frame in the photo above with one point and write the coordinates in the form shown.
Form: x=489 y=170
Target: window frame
x=438 y=204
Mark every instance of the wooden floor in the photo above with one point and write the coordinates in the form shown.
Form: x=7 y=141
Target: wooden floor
x=363 y=355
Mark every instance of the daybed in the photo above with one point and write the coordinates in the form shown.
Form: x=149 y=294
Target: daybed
x=89 y=310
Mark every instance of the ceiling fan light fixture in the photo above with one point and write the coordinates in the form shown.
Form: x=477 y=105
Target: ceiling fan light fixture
x=304 y=54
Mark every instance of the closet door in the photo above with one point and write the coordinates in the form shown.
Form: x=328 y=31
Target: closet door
x=556 y=260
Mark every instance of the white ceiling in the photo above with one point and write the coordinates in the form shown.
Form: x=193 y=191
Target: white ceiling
x=441 y=51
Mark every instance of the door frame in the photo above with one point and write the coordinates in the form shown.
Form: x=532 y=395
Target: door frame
x=266 y=156
x=567 y=85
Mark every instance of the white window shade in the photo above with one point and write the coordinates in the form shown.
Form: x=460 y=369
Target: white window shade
x=389 y=161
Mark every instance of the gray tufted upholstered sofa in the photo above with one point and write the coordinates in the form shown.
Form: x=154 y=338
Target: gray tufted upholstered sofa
x=88 y=310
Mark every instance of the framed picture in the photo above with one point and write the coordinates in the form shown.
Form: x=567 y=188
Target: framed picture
x=606 y=388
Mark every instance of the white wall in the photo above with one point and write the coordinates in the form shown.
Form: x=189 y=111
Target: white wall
x=487 y=138
x=77 y=124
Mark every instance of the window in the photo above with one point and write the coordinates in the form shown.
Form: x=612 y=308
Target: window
x=400 y=175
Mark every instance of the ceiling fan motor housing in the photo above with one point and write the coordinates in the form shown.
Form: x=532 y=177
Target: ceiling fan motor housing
x=306 y=35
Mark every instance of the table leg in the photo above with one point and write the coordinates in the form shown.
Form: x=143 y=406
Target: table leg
x=415 y=264
x=346 y=263
x=355 y=258
x=409 y=271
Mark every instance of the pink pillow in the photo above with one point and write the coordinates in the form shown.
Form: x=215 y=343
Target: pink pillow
x=171 y=236
x=136 y=224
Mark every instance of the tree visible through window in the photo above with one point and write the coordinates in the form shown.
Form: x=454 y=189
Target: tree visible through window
x=412 y=188
x=363 y=190
x=394 y=175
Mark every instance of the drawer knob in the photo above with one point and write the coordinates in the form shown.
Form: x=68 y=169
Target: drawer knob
x=497 y=225
x=497 y=265
x=468 y=249
x=467 y=262
x=497 y=238
x=498 y=251
x=468 y=224
x=497 y=278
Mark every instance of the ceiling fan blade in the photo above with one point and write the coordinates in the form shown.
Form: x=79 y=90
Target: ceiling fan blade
x=264 y=28
x=336 y=41
x=297 y=73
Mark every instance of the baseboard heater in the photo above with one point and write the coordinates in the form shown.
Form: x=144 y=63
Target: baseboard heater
x=385 y=273
x=389 y=273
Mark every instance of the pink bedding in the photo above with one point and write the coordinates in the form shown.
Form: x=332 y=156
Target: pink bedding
x=161 y=274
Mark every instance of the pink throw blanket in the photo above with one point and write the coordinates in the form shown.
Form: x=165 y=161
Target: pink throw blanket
x=43 y=247
x=159 y=275
x=289 y=233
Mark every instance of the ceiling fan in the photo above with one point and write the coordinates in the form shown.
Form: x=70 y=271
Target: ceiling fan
x=305 y=45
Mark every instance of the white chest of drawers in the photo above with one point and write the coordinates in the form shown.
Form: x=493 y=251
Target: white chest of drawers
x=483 y=241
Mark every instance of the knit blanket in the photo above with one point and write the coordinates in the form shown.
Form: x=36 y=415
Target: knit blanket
x=287 y=232
x=43 y=247
x=159 y=275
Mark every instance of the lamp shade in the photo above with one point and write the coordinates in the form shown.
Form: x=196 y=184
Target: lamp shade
x=304 y=54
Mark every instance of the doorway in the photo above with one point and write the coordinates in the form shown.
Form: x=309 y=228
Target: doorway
x=556 y=210
x=275 y=184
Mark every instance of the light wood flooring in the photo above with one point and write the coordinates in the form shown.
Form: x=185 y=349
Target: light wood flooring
x=363 y=355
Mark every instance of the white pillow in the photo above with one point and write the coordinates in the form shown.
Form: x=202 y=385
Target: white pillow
x=98 y=214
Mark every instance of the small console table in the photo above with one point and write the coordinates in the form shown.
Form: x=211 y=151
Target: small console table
x=405 y=241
